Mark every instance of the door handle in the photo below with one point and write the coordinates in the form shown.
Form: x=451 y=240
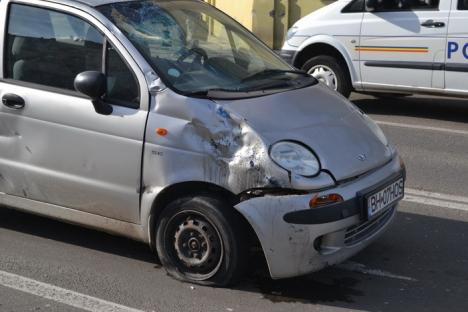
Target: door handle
x=13 y=101
x=433 y=24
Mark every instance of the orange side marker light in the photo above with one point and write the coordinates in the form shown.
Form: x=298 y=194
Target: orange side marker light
x=161 y=131
x=318 y=201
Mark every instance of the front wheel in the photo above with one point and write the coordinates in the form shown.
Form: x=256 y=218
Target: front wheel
x=330 y=71
x=201 y=240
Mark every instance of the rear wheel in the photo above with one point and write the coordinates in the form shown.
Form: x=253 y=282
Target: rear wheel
x=330 y=71
x=201 y=240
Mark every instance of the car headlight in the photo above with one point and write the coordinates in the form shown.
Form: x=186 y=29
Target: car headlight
x=295 y=158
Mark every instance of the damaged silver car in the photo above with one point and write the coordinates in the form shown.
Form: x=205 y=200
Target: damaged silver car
x=169 y=123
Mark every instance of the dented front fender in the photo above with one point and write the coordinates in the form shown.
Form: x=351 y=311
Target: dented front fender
x=206 y=143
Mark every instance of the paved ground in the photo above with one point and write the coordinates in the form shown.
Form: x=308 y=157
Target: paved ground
x=421 y=264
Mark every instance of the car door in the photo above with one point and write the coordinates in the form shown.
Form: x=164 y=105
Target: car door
x=403 y=44
x=456 y=69
x=54 y=147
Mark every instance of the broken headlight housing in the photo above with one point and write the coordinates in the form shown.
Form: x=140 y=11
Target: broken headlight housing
x=295 y=158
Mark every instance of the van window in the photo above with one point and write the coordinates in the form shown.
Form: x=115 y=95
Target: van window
x=406 y=5
x=355 y=6
x=50 y=48
x=463 y=5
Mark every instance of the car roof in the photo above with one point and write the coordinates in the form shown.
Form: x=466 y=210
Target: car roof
x=91 y=3
x=94 y=3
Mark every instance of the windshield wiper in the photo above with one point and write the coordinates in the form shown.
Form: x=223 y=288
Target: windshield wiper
x=268 y=72
x=203 y=93
x=282 y=84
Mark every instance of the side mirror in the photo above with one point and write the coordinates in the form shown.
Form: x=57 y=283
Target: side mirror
x=91 y=83
x=94 y=85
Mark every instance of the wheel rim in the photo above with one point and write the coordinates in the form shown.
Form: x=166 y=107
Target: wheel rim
x=324 y=74
x=194 y=245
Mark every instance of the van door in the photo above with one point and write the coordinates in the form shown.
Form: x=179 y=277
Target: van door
x=54 y=146
x=403 y=44
x=456 y=67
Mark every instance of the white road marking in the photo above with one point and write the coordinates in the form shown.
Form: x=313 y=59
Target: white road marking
x=436 y=199
x=416 y=196
x=435 y=202
x=61 y=295
x=361 y=268
x=456 y=198
x=420 y=127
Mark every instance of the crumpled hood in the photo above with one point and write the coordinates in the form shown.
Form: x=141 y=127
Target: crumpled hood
x=323 y=120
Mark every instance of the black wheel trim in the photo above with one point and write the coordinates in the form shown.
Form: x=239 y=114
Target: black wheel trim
x=170 y=232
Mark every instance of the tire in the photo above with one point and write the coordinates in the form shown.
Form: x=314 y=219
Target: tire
x=343 y=81
x=202 y=240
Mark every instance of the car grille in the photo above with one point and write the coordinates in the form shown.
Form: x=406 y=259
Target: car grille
x=363 y=230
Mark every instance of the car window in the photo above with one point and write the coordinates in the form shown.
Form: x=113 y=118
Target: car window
x=122 y=87
x=50 y=48
x=405 y=5
x=196 y=49
x=463 y=5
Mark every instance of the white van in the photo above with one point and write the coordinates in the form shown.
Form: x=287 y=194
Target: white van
x=405 y=46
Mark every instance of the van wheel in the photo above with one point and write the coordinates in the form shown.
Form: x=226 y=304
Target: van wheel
x=202 y=240
x=330 y=71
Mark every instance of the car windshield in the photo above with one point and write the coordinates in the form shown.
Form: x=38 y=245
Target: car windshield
x=197 y=49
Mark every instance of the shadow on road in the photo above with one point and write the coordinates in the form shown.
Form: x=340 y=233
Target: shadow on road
x=448 y=109
x=430 y=250
x=58 y=231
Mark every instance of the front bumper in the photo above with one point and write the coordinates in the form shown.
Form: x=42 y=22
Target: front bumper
x=297 y=240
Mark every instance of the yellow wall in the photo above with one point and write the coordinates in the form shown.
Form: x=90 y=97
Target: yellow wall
x=268 y=19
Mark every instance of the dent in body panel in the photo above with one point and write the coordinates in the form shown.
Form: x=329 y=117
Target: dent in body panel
x=11 y=144
x=70 y=156
x=208 y=143
x=288 y=248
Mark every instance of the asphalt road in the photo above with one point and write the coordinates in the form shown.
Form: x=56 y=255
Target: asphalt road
x=420 y=264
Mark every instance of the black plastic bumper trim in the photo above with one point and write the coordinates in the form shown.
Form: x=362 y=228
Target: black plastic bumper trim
x=407 y=65
x=339 y=211
x=324 y=214
x=451 y=67
x=456 y=67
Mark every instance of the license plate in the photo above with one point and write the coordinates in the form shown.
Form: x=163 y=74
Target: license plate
x=385 y=197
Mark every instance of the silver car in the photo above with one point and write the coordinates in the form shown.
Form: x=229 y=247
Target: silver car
x=169 y=123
